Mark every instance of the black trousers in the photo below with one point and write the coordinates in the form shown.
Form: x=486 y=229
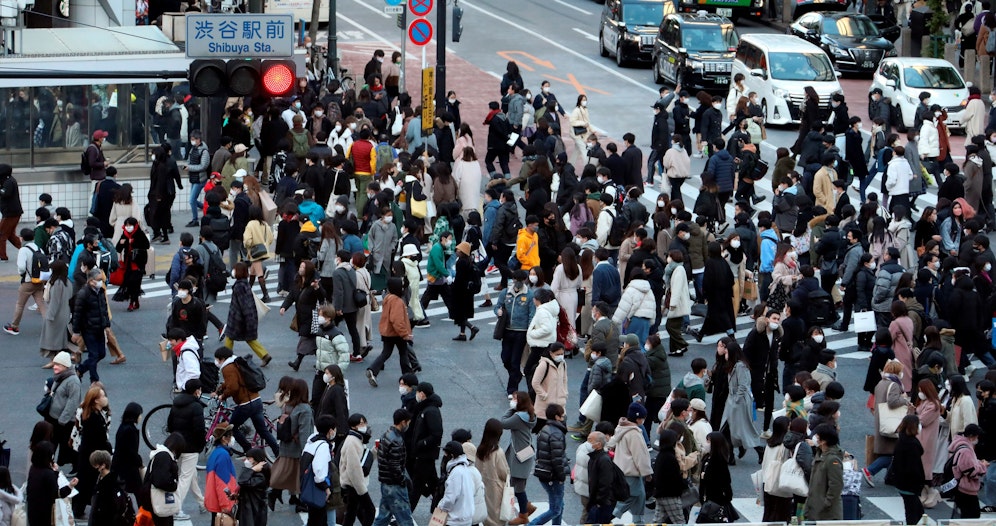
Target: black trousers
x=354 y=333
x=424 y=480
x=914 y=508
x=433 y=292
x=358 y=507
x=968 y=505
x=390 y=342
x=501 y=257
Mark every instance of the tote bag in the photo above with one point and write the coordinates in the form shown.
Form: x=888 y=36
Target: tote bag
x=864 y=322
x=164 y=503
x=889 y=418
x=261 y=308
x=791 y=479
x=592 y=406
x=509 y=504
x=420 y=209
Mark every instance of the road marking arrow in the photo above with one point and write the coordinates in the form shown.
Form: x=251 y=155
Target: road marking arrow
x=507 y=55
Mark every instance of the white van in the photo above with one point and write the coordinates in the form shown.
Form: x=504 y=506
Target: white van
x=778 y=68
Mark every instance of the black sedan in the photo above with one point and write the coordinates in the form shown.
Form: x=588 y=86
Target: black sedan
x=852 y=41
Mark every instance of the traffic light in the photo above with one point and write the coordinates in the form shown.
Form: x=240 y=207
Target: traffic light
x=457 y=22
x=242 y=77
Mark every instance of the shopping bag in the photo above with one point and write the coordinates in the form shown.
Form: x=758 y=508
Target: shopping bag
x=870 y=455
x=438 y=517
x=592 y=406
x=750 y=290
x=791 y=479
x=261 y=308
x=864 y=322
x=509 y=504
x=269 y=207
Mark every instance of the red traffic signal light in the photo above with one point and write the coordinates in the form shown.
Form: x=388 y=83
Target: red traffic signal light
x=208 y=78
x=242 y=78
x=278 y=77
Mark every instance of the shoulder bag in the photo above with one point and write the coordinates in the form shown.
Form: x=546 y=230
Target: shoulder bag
x=889 y=418
x=791 y=478
x=164 y=503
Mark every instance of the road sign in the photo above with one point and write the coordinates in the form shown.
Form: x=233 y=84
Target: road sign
x=394 y=2
x=428 y=99
x=420 y=7
x=394 y=9
x=420 y=32
x=240 y=35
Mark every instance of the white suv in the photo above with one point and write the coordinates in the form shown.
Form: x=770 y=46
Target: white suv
x=902 y=79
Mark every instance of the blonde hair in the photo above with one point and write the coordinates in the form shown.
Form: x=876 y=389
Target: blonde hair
x=893 y=367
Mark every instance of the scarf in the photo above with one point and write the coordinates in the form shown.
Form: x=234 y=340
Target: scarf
x=491 y=114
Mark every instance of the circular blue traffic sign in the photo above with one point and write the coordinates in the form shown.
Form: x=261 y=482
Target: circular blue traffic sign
x=394 y=2
x=420 y=32
x=420 y=7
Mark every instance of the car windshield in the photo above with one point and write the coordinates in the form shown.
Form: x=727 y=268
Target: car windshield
x=709 y=38
x=936 y=77
x=850 y=26
x=811 y=66
x=643 y=14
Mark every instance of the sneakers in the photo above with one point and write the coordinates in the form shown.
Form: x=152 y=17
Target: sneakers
x=355 y=358
x=193 y=223
x=679 y=353
x=578 y=437
x=868 y=477
x=424 y=324
x=10 y=329
x=372 y=378
x=460 y=338
x=181 y=517
x=491 y=269
x=221 y=332
x=33 y=307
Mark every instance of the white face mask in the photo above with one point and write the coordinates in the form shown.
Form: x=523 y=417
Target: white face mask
x=717 y=105
x=788 y=399
x=533 y=279
x=452 y=100
x=322 y=320
x=248 y=463
x=362 y=430
x=352 y=126
x=937 y=114
x=218 y=363
x=661 y=204
x=674 y=210
x=338 y=127
x=647 y=347
x=512 y=404
x=129 y=229
x=233 y=274
x=387 y=219
x=735 y=243
x=988 y=267
x=182 y=294
x=340 y=209
x=319 y=114
x=773 y=325
x=326 y=377
x=584 y=103
x=594 y=357
x=558 y=359
x=921 y=396
x=818 y=338
x=546 y=89
x=871 y=265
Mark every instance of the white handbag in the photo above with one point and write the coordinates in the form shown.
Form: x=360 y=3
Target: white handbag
x=889 y=418
x=164 y=503
x=791 y=478
x=773 y=473
x=509 y=504
x=592 y=406
x=864 y=322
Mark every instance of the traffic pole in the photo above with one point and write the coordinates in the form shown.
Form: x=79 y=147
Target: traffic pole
x=441 y=55
x=332 y=60
x=404 y=54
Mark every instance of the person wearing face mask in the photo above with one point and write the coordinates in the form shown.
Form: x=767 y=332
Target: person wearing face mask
x=516 y=305
x=676 y=166
x=254 y=481
x=761 y=350
x=710 y=127
x=296 y=423
x=452 y=107
x=391 y=462
x=186 y=417
x=186 y=356
x=383 y=239
x=580 y=129
x=220 y=473
x=549 y=381
x=90 y=318
x=969 y=471
x=243 y=318
x=395 y=330
x=352 y=475
x=889 y=392
x=198 y=163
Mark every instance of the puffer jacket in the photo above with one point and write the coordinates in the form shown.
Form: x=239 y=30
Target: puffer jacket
x=551 y=453
x=697 y=246
x=90 y=311
x=660 y=372
x=580 y=472
x=637 y=302
x=721 y=165
x=391 y=458
x=542 y=329
x=886 y=281
x=519 y=307
x=187 y=418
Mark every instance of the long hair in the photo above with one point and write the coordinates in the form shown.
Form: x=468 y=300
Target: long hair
x=734 y=354
x=90 y=400
x=490 y=439
x=926 y=387
x=524 y=403
x=304 y=280
x=570 y=263
x=719 y=446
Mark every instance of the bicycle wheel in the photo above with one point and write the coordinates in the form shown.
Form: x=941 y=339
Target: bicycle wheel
x=154 y=426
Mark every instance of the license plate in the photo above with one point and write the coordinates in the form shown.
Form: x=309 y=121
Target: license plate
x=722 y=80
x=868 y=64
x=724 y=11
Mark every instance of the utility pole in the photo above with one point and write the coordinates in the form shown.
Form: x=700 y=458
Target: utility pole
x=316 y=12
x=404 y=54
x=441 y=37
x=333 y=57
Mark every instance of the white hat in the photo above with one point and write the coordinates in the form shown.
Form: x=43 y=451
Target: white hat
x=409 y=250
x=240 y=173
x=240 y=148
x=63 y=359
x=697 y=404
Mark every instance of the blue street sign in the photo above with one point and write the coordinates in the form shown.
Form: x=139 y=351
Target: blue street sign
x=394 y=2
x=240 y=35
x=420 y=32
x=420 y=7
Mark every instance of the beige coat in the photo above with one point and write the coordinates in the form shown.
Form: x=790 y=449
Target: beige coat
x=120 y=212
x=550 y=383
x=258 y=232
x=350 y=466
x=632 y=455
x=974 y=117
x=823 y=188
x=494 y=472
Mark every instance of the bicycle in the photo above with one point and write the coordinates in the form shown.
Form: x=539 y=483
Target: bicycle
x=320 y=71
x=155 y=425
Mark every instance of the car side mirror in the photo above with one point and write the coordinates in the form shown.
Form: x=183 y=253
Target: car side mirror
x=683 y=50
x=890 y=83
x=837 y=73
x=759 y=73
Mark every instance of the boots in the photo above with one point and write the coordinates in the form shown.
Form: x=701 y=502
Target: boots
x=271 y=499
x=518 y=521
x=262 y=288
x=530 y=509
x=296 y=363
x=760 y=453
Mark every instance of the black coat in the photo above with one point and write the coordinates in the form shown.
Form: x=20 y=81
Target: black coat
x=90 y=313
x=252 y=496
x=427 y=424
x=551 y=453
x=93 y=437
x=660 y=138
x=600 y=476
x=462 y=307
x=717 y=286
x=667 y=475
x=104 y=508
x=243 y=319
x=42 y=490
x=10 y=198
x=716 y=482
x=163 y=473
x=334 y=404
x=307 y=300
x=906 y=468
x=551 y=243
x=104 y=204
x=711 y=126
x=186 y=417
x=127 y=461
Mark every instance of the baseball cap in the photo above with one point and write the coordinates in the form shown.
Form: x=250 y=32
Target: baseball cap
x=99 y=134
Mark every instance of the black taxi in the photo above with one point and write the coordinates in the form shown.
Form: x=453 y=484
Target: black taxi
x=628 y=29
x=695 y=50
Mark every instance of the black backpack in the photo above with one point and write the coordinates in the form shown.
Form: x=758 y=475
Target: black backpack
x=252 y=376
x=285 y=430
x=85 y=161
x=217 y=276
x=209 y=376
x=512 y=227
x=821 y=310
x=620 y=223
x=124 y=512
x=39 y=271
x=620 y=487
x=220 y=226
x=947 y=489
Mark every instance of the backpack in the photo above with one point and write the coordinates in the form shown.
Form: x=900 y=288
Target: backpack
x=512 y=227
x=85 y=161
x=216 y=279
x=620 y=487
x=252 y=376
x=124 y=512
x=620 y=223
x=384 y=155
x=38 y=269
x=60 y=246
x=220 y=226
x=991 y=42
x=947 y=489
x=278 y=167
x=299 y=144
x=285 y=430
x=821 y=310
x=209 y=375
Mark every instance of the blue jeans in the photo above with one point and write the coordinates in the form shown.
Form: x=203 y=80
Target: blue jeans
x=640 y=327
x=879 y=464
x=96 y=350
x=394 y=503
x=555 y=492
x=252 y=411
x=600 y=514
x=195 y=205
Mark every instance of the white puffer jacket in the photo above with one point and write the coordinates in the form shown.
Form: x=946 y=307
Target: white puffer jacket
x=542 y=330
x=637 y=300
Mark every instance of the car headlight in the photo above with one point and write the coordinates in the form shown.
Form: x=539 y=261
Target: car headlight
x=695 y=64
x=782 y=93
x=837 y=51
x=892 y=53
x=632 y=37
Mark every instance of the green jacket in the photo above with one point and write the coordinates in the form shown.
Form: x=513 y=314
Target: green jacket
x=825 y=486
x=660 y=373
x=436 y=266
x=693 y=385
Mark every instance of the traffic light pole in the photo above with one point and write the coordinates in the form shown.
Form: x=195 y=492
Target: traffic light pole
x=332 y=60
x=404 y=53
x=441 y=56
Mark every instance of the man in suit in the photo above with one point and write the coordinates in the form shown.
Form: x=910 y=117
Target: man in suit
x=632 y=161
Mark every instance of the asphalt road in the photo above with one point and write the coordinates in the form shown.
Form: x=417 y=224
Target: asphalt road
x=554 y=40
